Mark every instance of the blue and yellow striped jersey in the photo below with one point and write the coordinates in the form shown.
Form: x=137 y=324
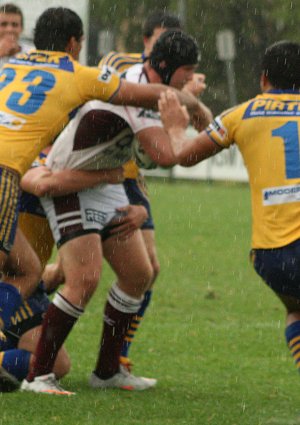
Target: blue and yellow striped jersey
x=266 y=130
x=39 y=92
x=121 y=62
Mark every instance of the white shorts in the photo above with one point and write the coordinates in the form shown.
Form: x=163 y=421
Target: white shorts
x=88 y=211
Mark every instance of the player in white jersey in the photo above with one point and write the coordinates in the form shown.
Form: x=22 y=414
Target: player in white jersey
x=101 y=136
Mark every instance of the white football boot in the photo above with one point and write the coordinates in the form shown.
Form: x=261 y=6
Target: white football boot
x=123 y=380
x=45 y=384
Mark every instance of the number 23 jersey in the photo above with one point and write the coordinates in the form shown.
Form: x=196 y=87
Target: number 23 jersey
x=266 y=130
x=38 y=93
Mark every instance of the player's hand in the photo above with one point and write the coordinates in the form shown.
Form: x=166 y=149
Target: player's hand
x=173 y=115
x=8 y=46
x=130 y=219
x=197 y=85
x=114 y=175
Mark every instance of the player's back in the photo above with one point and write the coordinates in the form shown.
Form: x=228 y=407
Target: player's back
x=101 y=134
x=266 y=130
x=39 y=91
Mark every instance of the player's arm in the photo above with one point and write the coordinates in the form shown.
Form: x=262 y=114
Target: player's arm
x=187 y=151
x=42 y=181
x=156 y=143
x=197 y=85
x=147 y=96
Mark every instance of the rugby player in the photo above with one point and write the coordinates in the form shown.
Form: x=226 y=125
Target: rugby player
x=39 y=93
x=101 y=136
x=24 y=330
x=266 y=130
x=155 y=24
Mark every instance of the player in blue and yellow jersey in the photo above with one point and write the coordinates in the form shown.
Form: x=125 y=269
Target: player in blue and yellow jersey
x=39 y=93
x=266 y=130
x=155 y=24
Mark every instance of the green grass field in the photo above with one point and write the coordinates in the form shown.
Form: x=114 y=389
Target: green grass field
x=214 y=335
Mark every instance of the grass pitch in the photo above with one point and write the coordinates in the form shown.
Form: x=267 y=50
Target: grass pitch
x=213 y=335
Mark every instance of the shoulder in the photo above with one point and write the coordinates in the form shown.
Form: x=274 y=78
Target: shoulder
x=121 y=61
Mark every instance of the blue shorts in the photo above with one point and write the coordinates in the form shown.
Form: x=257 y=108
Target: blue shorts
x=280 y=268
x=136 y=196
x=29 y=315
x=9 y=207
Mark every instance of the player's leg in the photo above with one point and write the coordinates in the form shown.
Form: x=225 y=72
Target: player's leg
x=28 y=342
x=129 y=260
x=280 y=269
x=14 y=249
x=137 y=194
x=22 y=268
x=81 y=260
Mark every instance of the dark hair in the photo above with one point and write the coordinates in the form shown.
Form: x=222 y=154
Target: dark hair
x=55 y=27
x=173 y=49
x=10 y=8
x=160 y=19
x=281 y=65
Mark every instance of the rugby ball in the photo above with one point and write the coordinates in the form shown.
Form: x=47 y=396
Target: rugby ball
x=141 y=158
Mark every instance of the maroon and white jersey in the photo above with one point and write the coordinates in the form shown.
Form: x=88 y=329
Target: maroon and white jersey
x=101 y=134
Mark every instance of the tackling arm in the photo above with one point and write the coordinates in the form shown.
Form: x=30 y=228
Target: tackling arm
x=187 y=151
x=147 y=96
x=41 y=181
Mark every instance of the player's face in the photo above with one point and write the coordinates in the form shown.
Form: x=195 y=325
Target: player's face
x=150 y=41
x=182 y=75
x=10 y=25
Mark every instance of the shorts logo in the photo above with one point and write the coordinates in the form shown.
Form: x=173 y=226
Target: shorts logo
x=10 y=121
x=95 y=216
x=105 y=74
x=281 y=195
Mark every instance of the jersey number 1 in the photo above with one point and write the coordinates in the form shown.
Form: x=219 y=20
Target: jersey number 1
x=290 y=134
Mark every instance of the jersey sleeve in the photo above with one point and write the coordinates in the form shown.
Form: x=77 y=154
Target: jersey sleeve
x=95 y=83
x=120 y=61
x=222 y=129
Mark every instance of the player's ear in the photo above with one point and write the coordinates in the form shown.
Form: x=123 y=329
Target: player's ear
x=264 y=82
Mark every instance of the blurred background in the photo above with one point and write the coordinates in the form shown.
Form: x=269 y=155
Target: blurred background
x=253 y=25
x=232 y=36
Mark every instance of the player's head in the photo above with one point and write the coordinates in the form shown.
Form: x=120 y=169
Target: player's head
x=174 y=57
x=59 y=29
x=11 y=21
x=156 y=23
x=281 y=65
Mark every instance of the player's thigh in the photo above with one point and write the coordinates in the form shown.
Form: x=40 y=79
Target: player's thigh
x=149 y=239
x=23 y=262
x=130 y=261
x=37 y=231
x=81 y=261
